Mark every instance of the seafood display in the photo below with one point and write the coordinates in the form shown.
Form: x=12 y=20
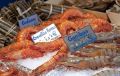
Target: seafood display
x=67 y=25
x=105 y=52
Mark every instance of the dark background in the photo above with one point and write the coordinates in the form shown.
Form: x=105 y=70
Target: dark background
x=5 y=2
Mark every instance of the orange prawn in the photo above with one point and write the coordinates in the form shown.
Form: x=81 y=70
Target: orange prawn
x=48 y=46
x=67 y=27
x=8 y=73
x=15 y=46
x=55 y=17
x=22 y=54
x=25 y=33
x=74 y=13
x=71 y=14
x=98 y=25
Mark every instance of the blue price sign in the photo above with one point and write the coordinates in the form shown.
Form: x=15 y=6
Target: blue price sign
x=80 y=38
x=28 y=21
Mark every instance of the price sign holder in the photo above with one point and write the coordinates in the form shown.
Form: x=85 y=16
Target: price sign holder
x=80 y=38
x=29 y=21
x=48 y=34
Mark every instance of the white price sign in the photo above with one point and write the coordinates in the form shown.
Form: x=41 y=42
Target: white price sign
x=48 y=34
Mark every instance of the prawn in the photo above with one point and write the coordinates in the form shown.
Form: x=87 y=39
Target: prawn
x=86 y=63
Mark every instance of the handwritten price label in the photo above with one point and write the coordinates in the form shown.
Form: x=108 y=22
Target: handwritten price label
x=29 y=21
x=48 y=34
x=80 y=38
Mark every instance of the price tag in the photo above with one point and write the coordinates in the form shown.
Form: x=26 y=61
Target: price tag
x=80 y=38
x=48 y=34
x=28 y=21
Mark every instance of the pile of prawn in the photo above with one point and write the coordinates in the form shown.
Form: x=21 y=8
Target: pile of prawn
x=68 y=22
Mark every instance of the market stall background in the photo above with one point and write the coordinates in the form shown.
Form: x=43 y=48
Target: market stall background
x=5 y=2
